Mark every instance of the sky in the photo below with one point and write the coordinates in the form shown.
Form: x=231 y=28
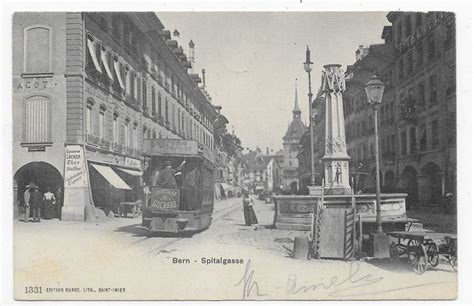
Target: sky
x=253 y=60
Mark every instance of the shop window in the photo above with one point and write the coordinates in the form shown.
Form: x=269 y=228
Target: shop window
x=144 y=93
x=135 y=136
x=421 y=95
x=160 y=113
x=419 y=55
x=153 y=101
x=431 y=47
x=115 y=133
x=409 y=63
x=102 y=122
x=126 y=132
x=166 y=112
x=434 y=134
x=179 y=121
x=403 y=140
x=452 y=128
x=433 y=89
x=89 y=127
x=37 y=123
x=450 y=32
x=400 y=69
x=412 y=140
x=407 y=25
x=423 y=140
x=419 y=19
x=127 y=79
x=37 y=49
x=93 y=55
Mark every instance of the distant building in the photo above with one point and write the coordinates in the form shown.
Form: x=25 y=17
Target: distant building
x=291 y=142
x=262 y=172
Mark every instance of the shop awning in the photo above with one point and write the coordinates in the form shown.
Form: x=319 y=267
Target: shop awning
x=111 y=177
x=259 y=188
x=131 y=172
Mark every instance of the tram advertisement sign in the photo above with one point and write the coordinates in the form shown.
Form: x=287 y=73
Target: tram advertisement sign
x=74 y=169
x=165 y=198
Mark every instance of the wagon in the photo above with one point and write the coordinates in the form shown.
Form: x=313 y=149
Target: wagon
x=424 y=248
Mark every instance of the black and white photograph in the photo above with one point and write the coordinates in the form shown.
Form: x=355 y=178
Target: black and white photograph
x=236 y=155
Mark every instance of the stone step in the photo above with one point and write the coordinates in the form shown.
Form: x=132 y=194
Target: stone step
x=294 y=227
x=294 y=220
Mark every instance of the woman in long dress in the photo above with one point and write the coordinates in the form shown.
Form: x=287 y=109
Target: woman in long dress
x=249 y=214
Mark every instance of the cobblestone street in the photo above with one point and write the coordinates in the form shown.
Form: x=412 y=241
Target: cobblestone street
x=112 y=253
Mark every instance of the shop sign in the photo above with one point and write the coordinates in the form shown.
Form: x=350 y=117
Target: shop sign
x=165 y=198
x=37 y=149
x=74 y=169
x=133 y=163
x=27 y=84
x=171 y=146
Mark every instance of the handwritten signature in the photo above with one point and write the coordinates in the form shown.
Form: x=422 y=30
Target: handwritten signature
x=338 y=287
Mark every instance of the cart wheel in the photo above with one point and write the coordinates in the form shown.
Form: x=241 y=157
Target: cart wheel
x=432 y=252
x=417 y=256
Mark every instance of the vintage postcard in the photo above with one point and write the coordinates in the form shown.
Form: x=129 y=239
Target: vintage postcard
x=234 y=155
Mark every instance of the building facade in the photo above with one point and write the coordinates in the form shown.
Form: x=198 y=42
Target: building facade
x=418 y=113
x=87 y=89
x=291 y=142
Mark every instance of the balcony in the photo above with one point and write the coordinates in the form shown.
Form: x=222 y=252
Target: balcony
x=92 y=139
x=117 y=147
x=104 y=143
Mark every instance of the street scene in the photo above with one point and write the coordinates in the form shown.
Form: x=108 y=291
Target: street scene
x=234 y=156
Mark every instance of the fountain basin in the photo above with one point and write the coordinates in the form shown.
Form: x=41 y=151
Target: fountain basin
x=294 y=212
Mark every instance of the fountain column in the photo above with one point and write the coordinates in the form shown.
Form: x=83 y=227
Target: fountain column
x=336 y=160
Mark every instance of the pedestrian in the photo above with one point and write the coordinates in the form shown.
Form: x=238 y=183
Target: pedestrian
x=249 y=213
x=49 y=201
x=26 y=199
x=36 y=200
x=166 y=177
x=59 y=201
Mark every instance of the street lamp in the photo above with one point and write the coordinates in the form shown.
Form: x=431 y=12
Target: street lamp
x=374 y=90
x=308 y=66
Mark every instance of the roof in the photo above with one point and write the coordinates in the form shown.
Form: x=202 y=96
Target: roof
x=295 y=129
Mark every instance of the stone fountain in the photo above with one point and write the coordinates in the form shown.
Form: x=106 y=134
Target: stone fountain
x=294 y=212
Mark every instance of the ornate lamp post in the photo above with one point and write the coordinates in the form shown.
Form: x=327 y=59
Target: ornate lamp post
x=374 y=90
x=308 y=66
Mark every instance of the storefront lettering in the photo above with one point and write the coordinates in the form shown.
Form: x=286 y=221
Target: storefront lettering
x=32 y=85
x=74 y=174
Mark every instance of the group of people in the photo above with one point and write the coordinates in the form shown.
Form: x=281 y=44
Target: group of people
x=35 y=202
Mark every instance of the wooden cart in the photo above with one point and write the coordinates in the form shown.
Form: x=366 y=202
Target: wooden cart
x=424 y=248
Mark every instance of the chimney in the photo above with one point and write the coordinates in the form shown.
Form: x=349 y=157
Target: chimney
x=204 y=78
x=191 y=55
x=268 y=151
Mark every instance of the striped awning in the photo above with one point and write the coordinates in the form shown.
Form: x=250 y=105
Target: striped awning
x=111 y=177
x=131 y=172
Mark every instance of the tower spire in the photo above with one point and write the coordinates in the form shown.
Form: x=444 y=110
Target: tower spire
x=296 y=110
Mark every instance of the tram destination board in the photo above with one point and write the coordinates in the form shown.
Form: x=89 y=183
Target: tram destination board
x=165 y=198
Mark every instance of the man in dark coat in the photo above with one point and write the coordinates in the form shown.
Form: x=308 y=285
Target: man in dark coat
x=36 y=200
x=166 y=177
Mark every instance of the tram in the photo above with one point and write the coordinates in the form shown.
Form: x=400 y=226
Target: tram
x=180 y=186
